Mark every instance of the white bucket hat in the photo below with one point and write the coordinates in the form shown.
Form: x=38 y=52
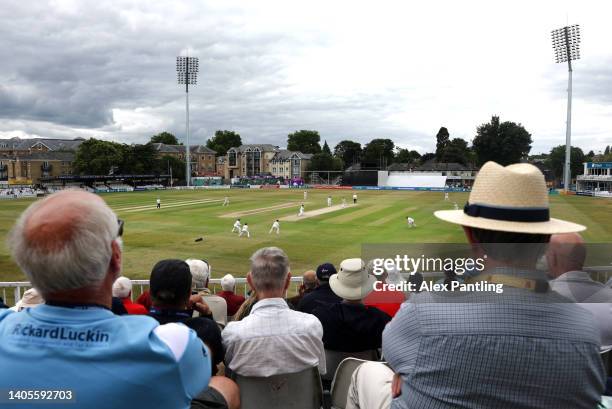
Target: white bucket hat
x=511 y=199
x=352 y=282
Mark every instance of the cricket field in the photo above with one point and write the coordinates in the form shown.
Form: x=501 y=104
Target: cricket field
x=322 y=234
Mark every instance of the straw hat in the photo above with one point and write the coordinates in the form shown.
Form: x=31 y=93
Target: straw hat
x=511 y=199
x=352 y=281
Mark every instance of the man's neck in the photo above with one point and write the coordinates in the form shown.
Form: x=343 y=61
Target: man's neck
x=82 y=296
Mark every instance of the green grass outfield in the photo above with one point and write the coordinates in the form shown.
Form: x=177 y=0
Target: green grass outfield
x=151 y=235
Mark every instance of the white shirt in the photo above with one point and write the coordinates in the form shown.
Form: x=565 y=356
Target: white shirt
x=590 y=295
x=354 y=196
x=245 y=228
x=274 y=340
x=275 y=225
x=158 y=201
x=410 y=220
x=237 y=224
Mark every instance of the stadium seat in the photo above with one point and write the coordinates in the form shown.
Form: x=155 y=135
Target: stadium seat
x=300 y=390
x=342 y=381
x=333 y=359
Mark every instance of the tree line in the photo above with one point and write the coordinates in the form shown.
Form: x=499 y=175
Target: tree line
x=503 y=142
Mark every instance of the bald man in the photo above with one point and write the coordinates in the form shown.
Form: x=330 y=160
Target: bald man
x=309 y=283
x=69 y=247
x=565 y=257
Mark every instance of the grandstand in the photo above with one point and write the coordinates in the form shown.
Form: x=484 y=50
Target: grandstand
x=596 y=179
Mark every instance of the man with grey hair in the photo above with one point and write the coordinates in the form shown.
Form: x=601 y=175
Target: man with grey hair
x=69 y=246
x=273 y=339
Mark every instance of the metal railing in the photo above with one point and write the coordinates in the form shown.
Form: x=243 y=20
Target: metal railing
x=12 y=291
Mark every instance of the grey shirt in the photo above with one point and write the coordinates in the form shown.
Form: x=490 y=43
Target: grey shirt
x=483 y=350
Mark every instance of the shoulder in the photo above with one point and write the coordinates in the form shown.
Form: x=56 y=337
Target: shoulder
x=176 y=337
x=5 y=313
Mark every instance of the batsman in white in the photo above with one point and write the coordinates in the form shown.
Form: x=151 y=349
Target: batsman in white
x=329 y=201
x=411 y=222
x=237 y=226
x=245 y=230
x=226 y=201
x=275 y=227
x=301 y=212
x=158 y=203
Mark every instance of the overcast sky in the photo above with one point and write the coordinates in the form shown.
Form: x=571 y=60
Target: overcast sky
x=351 y=70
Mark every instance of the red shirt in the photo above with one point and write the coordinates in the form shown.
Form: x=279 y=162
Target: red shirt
x=133 y=308
x=145 y=299
x=386 y=301
x=234 y=301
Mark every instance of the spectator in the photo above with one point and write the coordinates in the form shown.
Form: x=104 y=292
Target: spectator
x=565 y=258
x=117 y=307
x=350 y=326
x=69 y=246
x=309 y=283
x=246 y=307
x=122 y=289
x=144 y=299
x=200 y=271
x=234 y=301
x=388 y=301
x=489 y=350
x=170 y=284
x=323 y=294
x=31 y=298
x=2 y=304
x=273 y=339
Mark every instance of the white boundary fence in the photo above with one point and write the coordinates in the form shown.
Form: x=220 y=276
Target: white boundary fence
x=15 y=289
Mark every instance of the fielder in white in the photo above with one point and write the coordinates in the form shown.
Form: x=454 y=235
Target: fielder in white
x=343 y=203
x=301 y=212
x=245 y=230
x=411 y=222
x=275 y=227
x=226 y=201
x=456 y=206
x=354 y=198
x=158 y=203
x=237 y=226
x=329 y=201
x=305 y=195
x=445 y=195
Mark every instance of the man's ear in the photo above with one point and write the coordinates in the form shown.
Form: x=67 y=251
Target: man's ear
x=249 y=278
x=287 y=281
x=474 y=244
x=115 y=261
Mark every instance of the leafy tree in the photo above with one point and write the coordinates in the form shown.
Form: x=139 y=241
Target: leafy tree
x=326 y=148
x=406 y=156
x=456 y=151
x=379 y=151
x=304 y=141
x=224 y=140
x=607 y=151
x=97 y=157
x=348 y=151
x=163 y=164
x=427 y=157
x=590 y=155
x=325 y=162
x=164 y=137
x=556 y=161
x=504 y=143
x=139 y=159
x=442 y=141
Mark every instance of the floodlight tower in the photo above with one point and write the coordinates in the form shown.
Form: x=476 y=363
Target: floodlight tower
x=566 y=43
x=187 y=73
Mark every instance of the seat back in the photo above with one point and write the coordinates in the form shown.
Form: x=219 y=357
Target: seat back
x=342 y=381
x=299 y=390
x=333 y=359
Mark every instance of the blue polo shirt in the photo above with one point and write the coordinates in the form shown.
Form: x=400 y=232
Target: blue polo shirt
x=107 y=361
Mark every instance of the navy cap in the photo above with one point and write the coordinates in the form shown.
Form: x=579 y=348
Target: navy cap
x=325 y=270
